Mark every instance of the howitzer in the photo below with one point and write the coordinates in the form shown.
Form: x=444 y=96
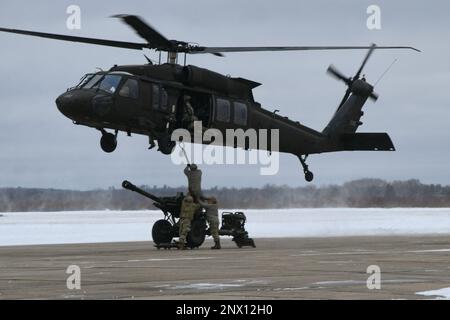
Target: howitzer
x=164 y=230
x=169 y=205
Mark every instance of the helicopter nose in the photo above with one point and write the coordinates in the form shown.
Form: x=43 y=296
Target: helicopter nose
x=60 y=105
x=65 y=104
x=73 y=105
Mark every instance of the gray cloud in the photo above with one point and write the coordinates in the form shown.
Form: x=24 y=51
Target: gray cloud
x=39 y=147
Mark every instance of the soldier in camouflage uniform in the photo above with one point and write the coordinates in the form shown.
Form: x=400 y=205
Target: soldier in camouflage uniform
x=212 y=216
x=188 y=209
x=194 y=176
x=188 y=117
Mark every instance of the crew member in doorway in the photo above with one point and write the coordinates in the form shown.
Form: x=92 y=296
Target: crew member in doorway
x=188 y=116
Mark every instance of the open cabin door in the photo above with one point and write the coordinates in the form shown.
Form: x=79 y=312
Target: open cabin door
x=159 y=107
x=202 y=107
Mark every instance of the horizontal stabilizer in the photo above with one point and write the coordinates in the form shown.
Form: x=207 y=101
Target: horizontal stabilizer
x=367 y=142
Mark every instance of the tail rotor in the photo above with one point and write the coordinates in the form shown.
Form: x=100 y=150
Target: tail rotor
x=349 y=81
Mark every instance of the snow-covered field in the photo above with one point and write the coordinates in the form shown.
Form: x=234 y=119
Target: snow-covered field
x=113 y=226
x=443 y=293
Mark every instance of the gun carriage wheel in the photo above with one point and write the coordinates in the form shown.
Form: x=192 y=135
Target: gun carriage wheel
x=162 y=232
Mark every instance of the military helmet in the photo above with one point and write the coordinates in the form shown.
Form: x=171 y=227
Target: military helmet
x=193 y=166
x=188 y=199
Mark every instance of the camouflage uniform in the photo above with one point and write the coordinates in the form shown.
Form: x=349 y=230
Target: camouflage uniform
x=194 y=176
x=188 y=209
x=188 y=116
x=212 y=216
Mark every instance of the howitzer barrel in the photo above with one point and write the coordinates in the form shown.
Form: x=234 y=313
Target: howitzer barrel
x=129 y=186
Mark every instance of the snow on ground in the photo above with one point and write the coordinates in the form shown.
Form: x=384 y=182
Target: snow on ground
x=443 y=293
x=114 y=226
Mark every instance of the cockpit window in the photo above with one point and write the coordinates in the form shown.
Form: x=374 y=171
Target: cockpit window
x=130 y=89
x=92 y=81
x=85 y=80
x=110 y=83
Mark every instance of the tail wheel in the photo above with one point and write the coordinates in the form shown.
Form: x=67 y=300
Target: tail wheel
x=162 y=232
x=196 y=236
x=309 y=176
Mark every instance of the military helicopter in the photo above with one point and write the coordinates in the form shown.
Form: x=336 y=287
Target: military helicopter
x=150 y=99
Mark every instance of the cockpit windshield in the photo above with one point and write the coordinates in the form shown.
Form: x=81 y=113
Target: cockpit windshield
x=91 y=80
x=110 y=83
x=84 y=80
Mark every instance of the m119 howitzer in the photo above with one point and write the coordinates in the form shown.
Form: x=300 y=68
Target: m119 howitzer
x=169 y=205
x=164 y=230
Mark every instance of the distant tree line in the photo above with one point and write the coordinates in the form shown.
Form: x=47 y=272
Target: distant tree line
x=358 y=193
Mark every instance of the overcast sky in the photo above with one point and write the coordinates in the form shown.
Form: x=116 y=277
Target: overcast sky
x=39 y=147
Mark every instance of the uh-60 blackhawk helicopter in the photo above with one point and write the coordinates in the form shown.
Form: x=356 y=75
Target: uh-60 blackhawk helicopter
x=149 y=99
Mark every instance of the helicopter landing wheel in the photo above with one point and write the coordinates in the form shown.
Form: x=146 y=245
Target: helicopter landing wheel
x=108 y=142
x=165 y=145
x=309 y=176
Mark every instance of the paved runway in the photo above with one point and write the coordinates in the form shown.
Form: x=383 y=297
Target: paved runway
x=296 y=268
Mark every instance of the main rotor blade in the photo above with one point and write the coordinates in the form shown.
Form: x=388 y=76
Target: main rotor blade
x=332 y=70
x=101 y=42
x=372 y=48
x=155 y=39
x=195 y=50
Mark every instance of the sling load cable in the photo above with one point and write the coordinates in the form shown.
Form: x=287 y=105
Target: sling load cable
x=184 y=153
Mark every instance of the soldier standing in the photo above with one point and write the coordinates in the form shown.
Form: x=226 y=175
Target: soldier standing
x=194 y=176
x=188 y=209
x=188 y=116
x=212 y=216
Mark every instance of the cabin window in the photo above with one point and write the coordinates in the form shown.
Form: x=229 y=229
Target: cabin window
x=240 y=113
x=223 y=110
x=130 y=89
x=155 y=96
x=164 y=99
x=159 y=98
